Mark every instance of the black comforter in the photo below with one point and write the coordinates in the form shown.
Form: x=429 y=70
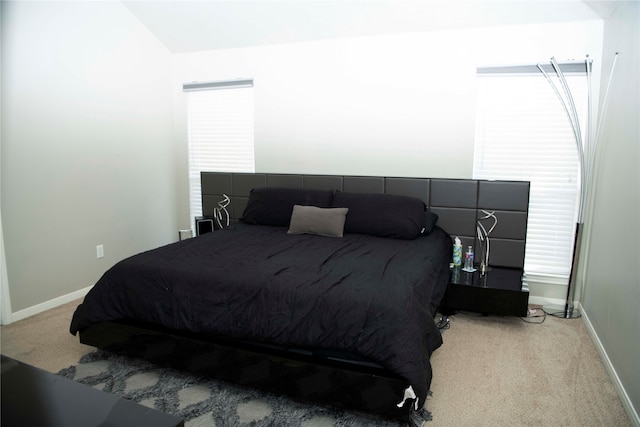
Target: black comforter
x=371 y=296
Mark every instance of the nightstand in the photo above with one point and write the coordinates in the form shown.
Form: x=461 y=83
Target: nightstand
x=499 y=291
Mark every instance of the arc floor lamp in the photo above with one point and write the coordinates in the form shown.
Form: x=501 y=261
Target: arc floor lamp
x=586 y=158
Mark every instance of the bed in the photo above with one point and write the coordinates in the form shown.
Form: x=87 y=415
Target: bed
x=321 y=287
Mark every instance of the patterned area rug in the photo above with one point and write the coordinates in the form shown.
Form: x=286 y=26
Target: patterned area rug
x=202 y=401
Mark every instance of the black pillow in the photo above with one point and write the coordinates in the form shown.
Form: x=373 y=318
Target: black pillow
x=430 y=220
x=383 y=215
x=274 y=205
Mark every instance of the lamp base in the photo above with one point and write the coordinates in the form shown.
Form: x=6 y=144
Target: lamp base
x=484 y=268
x=563 y=312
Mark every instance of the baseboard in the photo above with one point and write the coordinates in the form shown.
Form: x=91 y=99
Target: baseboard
x=546 y=293
x=622 y=393
x=48 y=305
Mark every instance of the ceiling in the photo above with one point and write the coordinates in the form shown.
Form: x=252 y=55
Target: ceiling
x=187 y=26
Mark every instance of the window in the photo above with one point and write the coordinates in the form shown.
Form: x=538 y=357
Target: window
x=524 y=133
x=220 y=127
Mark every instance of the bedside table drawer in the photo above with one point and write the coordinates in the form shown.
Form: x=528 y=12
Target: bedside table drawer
x=499 y=291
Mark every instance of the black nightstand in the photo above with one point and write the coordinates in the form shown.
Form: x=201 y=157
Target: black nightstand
x=500 y=291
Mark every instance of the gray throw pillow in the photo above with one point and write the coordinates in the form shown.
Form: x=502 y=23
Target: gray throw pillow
x=314 y=220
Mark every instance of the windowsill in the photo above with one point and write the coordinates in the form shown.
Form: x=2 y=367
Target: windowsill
x=547 y=279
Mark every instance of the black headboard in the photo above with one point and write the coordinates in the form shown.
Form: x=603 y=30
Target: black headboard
x=458 y=202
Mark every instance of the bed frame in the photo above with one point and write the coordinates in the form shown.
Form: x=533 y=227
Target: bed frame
x=301 y=373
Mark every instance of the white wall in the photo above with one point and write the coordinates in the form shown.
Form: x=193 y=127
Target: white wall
x=611 y=294
x=403 y=104
x=87 y=154
x=393 y=105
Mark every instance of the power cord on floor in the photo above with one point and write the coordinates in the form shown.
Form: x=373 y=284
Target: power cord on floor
x=444 y=323
x=533 y=313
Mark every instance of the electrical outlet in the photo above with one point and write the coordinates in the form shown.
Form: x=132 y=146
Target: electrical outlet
x=100 y=251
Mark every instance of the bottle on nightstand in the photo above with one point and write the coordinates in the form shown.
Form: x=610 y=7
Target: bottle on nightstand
x=468 y=260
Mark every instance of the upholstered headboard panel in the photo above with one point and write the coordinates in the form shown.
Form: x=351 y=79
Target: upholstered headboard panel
x=458 y=202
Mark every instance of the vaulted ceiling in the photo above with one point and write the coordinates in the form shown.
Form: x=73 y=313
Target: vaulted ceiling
x=187 y=26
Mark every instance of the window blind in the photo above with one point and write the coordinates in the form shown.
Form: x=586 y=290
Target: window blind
x=523 y=133
x=220 y=132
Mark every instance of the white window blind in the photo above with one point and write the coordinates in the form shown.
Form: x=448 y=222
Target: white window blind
x=523 y=133
x=220 y=126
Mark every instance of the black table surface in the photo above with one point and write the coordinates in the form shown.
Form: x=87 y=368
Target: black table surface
x=496 y=278
x=33 y=397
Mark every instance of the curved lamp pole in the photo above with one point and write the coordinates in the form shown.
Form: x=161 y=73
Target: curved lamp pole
x=585 y=161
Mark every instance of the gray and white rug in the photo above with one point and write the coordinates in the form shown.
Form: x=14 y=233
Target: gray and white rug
x=202 y=401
